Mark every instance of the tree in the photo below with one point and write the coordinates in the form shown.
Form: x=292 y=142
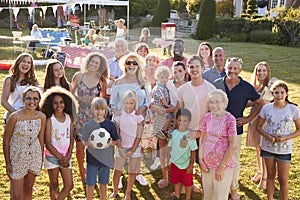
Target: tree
x=206 y=25
x=225 y=8
x=162 y=13
x=251 y=8
x=288 y=22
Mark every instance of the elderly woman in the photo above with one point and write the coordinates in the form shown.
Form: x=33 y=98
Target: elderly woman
x=216 y=147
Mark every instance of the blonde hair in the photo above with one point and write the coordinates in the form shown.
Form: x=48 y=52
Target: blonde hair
x=218 y=92
x=99 y=103
x=145 y=29
x=141 y=65
x=130 y=95
x=153 y=55
x=164 y=70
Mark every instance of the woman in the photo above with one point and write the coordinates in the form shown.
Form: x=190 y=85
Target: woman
x=90 y=82
x=205 y=53
x=121 y=28
x=23 y=145
x=36 y=34
x=275 y=124
x=132 y=79
x=21 y=75
x=89 y=38
x=259 y=80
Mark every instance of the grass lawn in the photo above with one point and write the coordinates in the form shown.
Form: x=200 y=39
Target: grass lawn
x=284 y=63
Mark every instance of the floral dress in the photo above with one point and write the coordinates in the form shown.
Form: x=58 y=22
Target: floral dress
x=25 y=148
x=84 y=112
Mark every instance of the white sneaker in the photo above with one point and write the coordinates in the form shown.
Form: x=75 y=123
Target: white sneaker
x=120 y=186
x=155 y=164
x=141 y=180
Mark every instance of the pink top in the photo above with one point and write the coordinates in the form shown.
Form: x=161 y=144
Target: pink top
x=128 y=127
x=216 y=142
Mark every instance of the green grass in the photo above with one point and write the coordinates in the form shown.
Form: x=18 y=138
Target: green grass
x=284 y=63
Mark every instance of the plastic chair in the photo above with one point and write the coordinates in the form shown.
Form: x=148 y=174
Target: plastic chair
x=18 y=45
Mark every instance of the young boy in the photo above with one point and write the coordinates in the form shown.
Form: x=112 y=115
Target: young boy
x=183 y=153
x=162 y=99
x=99 y=161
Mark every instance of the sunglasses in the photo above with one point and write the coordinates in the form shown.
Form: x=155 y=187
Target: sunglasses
x=131 y=62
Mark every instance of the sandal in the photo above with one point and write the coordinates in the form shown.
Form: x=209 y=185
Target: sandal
x=113 y=195
x=262 y=184
x=256 y=178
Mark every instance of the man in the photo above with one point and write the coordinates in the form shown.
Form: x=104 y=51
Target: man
x=239 y=92
x=121 y=48
x=178 y=48
x=217 y=72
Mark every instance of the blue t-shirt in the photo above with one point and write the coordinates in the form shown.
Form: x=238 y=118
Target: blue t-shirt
x=238 y=98
x=100 y=156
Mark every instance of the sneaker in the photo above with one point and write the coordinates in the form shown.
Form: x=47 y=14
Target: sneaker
x=120 y=186
x=141 y=180
x=155 y=164
x=162 y=134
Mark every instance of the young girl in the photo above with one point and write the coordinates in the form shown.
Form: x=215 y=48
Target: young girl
x=55 y=75
x=21 y=76
x=142 y=49
x=152 y=62
x=59 y=138
x=216 y=147
x=278 y=117
x=99 y=161
x=23 y=144
x=183 y=154
x=130 y=127
x=145 y=36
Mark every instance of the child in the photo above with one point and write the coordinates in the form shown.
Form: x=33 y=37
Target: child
x=130 y=127
x=98 y=161
x=23 y=144
x=145 y=36
x=142 y=49
x=59 y=138
x=278 y=118
x=183 y=154
x=216 y=147
x=55 y=75
x=152 y=62
x=162 y=99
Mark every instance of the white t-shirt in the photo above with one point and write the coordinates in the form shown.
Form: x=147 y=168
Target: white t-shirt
x=194 y=99
x=279 y=122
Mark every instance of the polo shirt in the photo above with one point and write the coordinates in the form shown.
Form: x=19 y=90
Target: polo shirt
x=214 y=77
x=238 y=98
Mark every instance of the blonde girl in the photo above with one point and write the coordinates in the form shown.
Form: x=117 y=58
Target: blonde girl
x=130 y=127
x=145 y=36
x=152 y=62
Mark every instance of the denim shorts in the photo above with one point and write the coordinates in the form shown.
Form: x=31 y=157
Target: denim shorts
x=279 y=157
x=92 y=171
x=52 y=162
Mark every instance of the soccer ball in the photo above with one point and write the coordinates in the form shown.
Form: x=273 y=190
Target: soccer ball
x=100 y=138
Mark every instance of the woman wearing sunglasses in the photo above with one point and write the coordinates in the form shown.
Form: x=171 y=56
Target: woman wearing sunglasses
x=133 y=78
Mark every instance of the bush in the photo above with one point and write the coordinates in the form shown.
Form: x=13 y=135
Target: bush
x=229 y=25
x=263 y=36
x=206 y=25
x=162 y=13
x=225 y=8
x=239 y=37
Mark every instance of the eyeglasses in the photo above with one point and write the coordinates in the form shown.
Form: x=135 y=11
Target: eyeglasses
x=131 y=62
x=34 y=99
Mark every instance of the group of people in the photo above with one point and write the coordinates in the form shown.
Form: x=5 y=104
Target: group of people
x=186 y=110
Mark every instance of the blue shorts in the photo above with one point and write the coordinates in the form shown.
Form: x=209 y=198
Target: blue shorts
x=92 y=171
x=279 y=157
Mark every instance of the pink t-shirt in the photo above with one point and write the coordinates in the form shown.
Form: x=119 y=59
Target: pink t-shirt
x=216 y=142
x=194 y=99
x=128 y=127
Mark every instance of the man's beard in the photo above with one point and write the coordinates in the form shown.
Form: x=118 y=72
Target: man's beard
x=178 y=57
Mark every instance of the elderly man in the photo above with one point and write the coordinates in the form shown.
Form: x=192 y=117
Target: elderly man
x=217 y=72
x=239 y=92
